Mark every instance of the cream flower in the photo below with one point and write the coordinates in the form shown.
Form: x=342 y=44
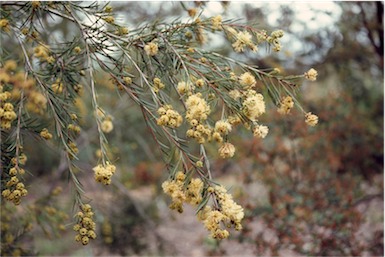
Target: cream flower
x=226 y=150
x=311 y=119
x=223 y=127
x=107 y=126
x=287 y=104
x=247 y=80
x=261 y=131
x=103 y=173
x=254 y=105
x=217 y=22
x=243 y=40
x=311 y=74
x=151 y=49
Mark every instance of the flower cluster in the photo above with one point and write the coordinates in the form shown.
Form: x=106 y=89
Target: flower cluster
x=311 y=75
x=42 y=52
x=222 y=128
x=179 y=193
x=311 y=119
x=14 y=189
x=4 y=25
x=169 y=117
x=151 y=48
x=103 y=173
x=158 y=85
x=212 y=220
x=217 y=22
x=197 y=108
x=243 y=39
x=109 y=19
x=260 y=131
x=253 y=105
x=106 y=124
x=229 y=214
x=85 y=225
x=286 y=105
x=57 y=87
x=274 y=39
x=75 y=128
x=226 y=150
x=184 y=87
x=7 y=113
x=247 y=80
x=37 y=102
x=199 y=132
x=230 y=209
x=44 y=133
x=199 y=83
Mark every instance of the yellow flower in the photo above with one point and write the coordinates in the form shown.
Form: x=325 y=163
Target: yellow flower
x=127 y=80
x=229 y=208
x=243 y=40
x=223 y=127
x=103 y=173
x=261 y=131
x=247 y=80
x=107 y=126
x=50 y=59
x=193 y=191
x=85 y=240
x=226 y=150
x=217 y=22
x=108 y=9
x=74 y=128
x=235 y=94
x=41 y=52
x=10 y=65
x=286 y=105
x=169 y=117
x=182 y=87
x=45 y=134
x=158 y=84
x=35 y=4
x=311 y=75
x=151 y=49
x=200 y=83
x=197 y=108
x=57 y=88
x=73 y=147
x=311 y=119
x=122 y=31
x=4 y=25
x=109 y=19
x=253 y=105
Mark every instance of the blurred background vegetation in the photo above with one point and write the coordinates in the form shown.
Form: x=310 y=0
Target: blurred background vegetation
x=311 y=191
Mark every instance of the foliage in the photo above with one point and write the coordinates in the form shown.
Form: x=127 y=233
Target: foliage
x=83 y=73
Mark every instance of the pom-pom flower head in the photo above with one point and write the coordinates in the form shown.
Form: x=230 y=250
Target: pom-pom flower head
x=103 y=173
x=254 y=105
x=226 y=150
x=311 y=75
x=261 y=131
x=151 y=49
x=243 y=39
x=286 y=105
x=247 y=80
x=311 y=119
